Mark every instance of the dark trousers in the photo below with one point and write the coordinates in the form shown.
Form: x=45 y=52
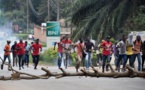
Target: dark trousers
x=21 y=60
x=36 y=60
x=59 y=59
x=15 y=59
x=66 y=60
x=129 y=57
x=99 y=58
x=122 y=56
x=5 y=57
x=143 y=59
x=32 y=58
x=27 y=59
x=139 y=60
x=106 y=58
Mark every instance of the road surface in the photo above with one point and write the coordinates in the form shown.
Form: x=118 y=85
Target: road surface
x=69 y=83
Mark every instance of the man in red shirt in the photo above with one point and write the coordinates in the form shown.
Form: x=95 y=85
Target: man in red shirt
x=60 y=49
x=66 y=49
x=35 y=48
x=106 y=52
x=21 y=52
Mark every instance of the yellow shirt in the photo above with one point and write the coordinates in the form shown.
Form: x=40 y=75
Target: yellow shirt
x=101 y=49
x=129 y=50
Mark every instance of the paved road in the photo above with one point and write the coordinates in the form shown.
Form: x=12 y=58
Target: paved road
x=70 y=83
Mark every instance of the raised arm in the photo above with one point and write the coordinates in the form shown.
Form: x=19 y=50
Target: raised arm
x=54 y=45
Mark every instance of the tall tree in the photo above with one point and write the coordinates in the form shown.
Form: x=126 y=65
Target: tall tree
x=100 y=18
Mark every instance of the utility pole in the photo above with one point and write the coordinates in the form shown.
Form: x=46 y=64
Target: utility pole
x=58 y=10
x=48 y=5
x=27 y=16
x=71 y=25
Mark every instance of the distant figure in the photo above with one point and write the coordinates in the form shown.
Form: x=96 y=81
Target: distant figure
x=99 y=55
x=36 y=47
x=31 y=51
x=122 y=53
x=107 y=48
x=27 y=50
x=143 y=54
x=59 y=51
x=21 y=52
x=129 y=48
x=14 y=53
x=137 y=51
x=80 y=48
x=7 y=51
x=66 y=49
x=89 y=48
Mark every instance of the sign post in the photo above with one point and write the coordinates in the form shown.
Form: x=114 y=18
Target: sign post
x=52 y=33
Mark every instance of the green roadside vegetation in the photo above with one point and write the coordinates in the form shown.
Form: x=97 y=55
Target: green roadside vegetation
x=21 y=36
x=49 y=57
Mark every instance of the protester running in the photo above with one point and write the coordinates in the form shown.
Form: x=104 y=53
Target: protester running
x=36 y=47
x=137 y=51
x=14 y=53
x=107 y=48
x=7 y=51
x=59 y=52
x=80 y=50
x=66 y=50
x=21 y=52
x=129 y=49
x=89 y=48
x=143 y=54
x=122 y=53
x=27 y=50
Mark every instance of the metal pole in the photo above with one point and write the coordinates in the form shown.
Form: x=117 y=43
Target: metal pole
x=58 y=10
x=27 y=16
x=48 y=5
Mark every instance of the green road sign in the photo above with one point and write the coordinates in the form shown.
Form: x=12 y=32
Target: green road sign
x=53 y=29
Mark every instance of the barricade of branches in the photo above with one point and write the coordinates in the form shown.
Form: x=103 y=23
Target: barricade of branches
x=17 y=75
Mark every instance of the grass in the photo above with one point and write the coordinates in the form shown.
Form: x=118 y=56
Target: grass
x=21 y=36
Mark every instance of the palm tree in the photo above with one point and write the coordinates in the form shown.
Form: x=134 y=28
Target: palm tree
x=100 y=18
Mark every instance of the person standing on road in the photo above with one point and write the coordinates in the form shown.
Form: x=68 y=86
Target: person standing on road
x=122 y=53
x=14 y=53
x=66 y=49
x=32 y=53
x=21 y=52
x=80 y=48
x=143 y=54
x=89 y=48
x=116 y=54
x=129 y=48
x=100 y=53
x=136 y=51
x=36 y=47
x=107 y=48
x=60 y=52
x=7 y=51
x=27 y=49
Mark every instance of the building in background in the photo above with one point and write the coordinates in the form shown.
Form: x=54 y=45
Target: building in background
x=40 y=31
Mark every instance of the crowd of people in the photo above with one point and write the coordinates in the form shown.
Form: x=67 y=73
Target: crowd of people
x=125 y=49
x=20 y=53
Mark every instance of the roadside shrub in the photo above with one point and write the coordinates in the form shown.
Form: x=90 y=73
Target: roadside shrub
x=49 y=55
x=43 y=44
x=21 y=36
